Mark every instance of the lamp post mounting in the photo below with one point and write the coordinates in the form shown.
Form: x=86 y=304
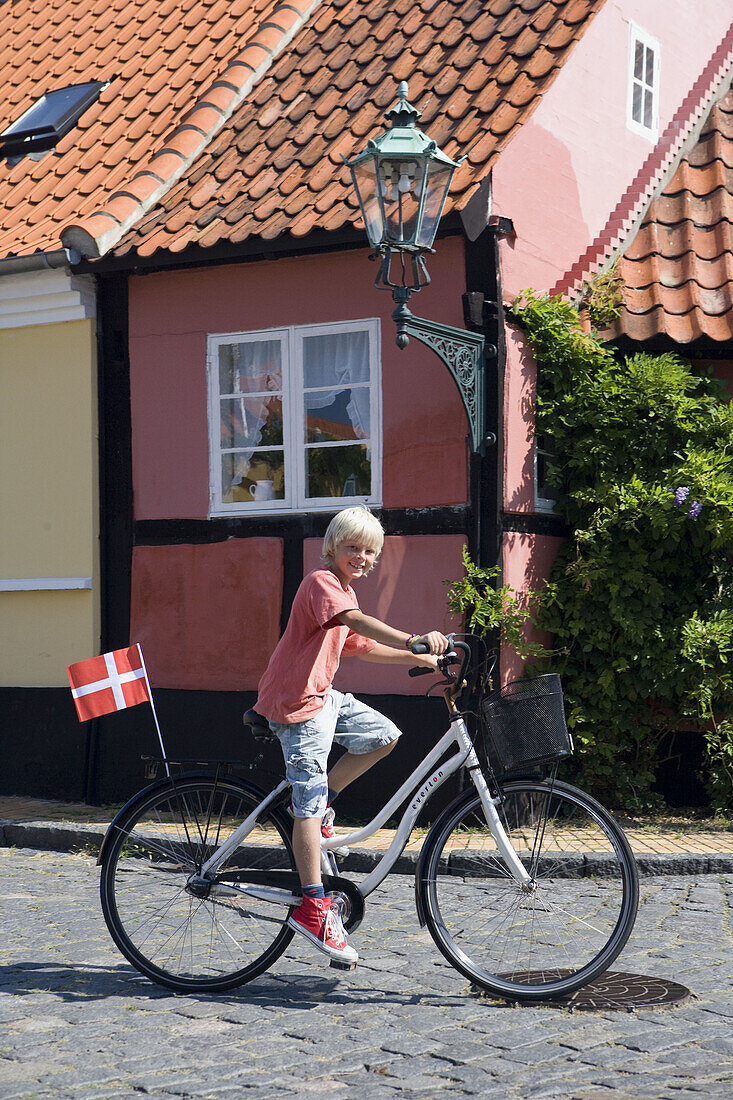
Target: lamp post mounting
x=402 y=181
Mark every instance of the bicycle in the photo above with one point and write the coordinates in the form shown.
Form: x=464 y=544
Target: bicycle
x=527 y=885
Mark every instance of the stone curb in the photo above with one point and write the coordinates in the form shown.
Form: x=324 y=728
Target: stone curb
x=68 y=837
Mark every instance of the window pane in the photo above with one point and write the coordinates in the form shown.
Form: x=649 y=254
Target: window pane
x=338 y=472
x=649 y=74
x=331 y=415
x=250 y=367
x=648 y=109
x=338 y=358
x=639 y=60
x=252 y=476
x=251 y=422
x=636 y=104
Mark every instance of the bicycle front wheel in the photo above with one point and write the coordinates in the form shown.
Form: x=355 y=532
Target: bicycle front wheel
x=151 y=905
x=562 y=930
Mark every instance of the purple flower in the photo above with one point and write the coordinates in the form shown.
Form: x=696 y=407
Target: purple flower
x=695 y=509
x=681 y=495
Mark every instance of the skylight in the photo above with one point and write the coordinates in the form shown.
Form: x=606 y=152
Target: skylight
x=43 y=125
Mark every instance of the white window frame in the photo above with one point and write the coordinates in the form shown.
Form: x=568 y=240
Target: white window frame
x=294 y=448
x=637 y=35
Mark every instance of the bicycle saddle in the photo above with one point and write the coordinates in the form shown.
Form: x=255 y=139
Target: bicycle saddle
x=258 y=726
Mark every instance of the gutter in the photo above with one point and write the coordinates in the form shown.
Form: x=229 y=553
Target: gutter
x=39 y=261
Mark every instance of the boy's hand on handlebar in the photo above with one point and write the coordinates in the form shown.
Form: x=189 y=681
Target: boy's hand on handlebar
x=436 y=642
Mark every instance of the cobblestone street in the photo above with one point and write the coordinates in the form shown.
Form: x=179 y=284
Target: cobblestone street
x=77 y=1021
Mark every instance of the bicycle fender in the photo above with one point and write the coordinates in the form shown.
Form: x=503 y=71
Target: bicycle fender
x=161 y=784
x=466 y=796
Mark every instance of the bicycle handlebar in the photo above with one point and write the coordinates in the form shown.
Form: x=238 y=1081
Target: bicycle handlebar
x=450 y=657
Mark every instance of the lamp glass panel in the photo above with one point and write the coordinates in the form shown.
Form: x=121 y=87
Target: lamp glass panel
x=437 y=182
x=365 y=182
x=399 y=179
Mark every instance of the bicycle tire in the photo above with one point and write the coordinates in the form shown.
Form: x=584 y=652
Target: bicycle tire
x=156 y=843
x=519 y=945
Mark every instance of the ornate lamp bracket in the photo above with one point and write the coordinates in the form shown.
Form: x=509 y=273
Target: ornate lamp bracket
x=463 y=354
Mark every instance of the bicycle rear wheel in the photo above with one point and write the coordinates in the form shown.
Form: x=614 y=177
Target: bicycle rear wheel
x=552 y=938
x=176 y=938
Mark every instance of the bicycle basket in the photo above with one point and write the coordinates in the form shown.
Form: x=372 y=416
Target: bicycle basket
x=524 y=726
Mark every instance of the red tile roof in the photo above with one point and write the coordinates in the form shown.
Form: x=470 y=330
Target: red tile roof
x=227 y=119
x=476 y=70
x=678 y=269
x=179 y=68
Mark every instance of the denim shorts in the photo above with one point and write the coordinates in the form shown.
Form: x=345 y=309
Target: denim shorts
x=306 y=746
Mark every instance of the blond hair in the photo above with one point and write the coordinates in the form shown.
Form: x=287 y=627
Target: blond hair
x=355 y=524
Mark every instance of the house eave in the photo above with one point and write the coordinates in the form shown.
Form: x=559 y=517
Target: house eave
x=39 y=261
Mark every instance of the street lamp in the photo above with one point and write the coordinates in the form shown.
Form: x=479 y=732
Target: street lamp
x=402 y=180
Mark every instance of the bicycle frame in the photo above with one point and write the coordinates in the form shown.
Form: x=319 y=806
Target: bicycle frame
x=419 y=787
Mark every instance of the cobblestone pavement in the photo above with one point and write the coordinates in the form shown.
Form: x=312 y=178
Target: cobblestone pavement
x=77 y=1021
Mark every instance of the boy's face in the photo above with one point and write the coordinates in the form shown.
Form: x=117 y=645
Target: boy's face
x=353 y=559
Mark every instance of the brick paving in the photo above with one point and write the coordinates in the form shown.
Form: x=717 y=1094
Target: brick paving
x=76 y=1021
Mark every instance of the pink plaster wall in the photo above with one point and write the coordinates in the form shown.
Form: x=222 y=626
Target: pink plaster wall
x=519 y=419
x=526 y=562
x=407 y=590
x=566 y=169
x=207 y=616
x=171 y=313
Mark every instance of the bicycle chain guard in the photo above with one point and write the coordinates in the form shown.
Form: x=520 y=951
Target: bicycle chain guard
x=349 y=899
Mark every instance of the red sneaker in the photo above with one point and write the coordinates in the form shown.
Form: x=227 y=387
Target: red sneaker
x=328 y=832
x=318 y=920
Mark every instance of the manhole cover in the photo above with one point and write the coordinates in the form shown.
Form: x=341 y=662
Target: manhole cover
x=617 y=990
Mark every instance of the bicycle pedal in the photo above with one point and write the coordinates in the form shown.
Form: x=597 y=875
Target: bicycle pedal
x=338 y=965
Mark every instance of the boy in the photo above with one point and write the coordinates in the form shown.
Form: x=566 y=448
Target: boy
x=307 y=715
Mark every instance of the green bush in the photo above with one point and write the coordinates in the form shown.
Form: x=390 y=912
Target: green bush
x=640 y=600
x=490 y=612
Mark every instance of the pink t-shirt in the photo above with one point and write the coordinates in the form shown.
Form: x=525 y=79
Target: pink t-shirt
x=306 y=659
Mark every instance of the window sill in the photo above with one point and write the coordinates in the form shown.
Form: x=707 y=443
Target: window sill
x=272 y=509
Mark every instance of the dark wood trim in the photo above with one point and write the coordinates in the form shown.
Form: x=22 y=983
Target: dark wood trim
x=536 y=523
x=702 y=348
x=449 y=520
x=483 y=310
x=115 y=460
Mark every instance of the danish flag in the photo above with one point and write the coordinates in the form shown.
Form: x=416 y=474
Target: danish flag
x=114 y=681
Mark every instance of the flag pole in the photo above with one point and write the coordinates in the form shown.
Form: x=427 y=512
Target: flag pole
x=152 y=707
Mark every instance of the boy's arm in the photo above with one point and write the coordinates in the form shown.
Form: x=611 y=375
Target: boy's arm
x=385 y=654
x=369 y=627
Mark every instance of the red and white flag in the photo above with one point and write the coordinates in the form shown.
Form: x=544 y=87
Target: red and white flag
x=108 y=683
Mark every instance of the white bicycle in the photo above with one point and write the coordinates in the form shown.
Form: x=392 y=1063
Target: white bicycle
x=527 y=885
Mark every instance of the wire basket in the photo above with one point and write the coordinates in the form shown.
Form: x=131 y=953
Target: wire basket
x=524 y=726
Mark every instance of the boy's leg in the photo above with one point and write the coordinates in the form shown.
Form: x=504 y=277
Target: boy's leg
x=307 y=849
x=305 y=748
x=367 y=737
x=350 y=766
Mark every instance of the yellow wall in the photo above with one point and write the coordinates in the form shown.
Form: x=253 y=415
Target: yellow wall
x=48 y=499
